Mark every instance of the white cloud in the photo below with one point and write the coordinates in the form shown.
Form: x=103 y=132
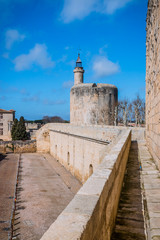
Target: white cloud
x=68 y=84
x=13 y=36
x=75 y=9
x=112 y=5
x=103 y=67
x=36 y=56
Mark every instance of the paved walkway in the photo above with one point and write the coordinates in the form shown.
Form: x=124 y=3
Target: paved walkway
x=151 y=190
x=43 y=194
x=8 y=172
x=129 y=222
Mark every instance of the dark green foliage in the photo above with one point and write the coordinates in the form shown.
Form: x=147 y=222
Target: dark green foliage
x=19 y=130
x=54 y=119
x=14 y=127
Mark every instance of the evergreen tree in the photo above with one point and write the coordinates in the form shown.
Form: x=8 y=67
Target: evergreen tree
x=14 y=128
x=20 y=130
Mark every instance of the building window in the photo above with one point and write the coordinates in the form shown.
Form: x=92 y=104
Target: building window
x=1 y=115
x=1 y=131
x=1 y=124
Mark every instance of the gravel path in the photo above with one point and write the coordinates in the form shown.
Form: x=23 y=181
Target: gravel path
x=44 y=190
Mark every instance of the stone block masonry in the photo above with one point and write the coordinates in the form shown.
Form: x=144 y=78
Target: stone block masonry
x=18 y=146
x=80 y=149
x=153 y=80
x=93 y=104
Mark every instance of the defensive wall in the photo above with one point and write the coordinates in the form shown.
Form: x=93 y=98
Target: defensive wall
x=153 y=79
x=92 y=212
x=80 y=149
x=27 y=146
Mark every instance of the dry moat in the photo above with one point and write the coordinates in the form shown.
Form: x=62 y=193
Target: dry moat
x=44 y=189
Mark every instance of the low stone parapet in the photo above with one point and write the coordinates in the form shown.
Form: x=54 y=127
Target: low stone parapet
x=92 y=212
x=27 y=146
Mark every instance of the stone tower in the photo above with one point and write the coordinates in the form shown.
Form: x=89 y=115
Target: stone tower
x=78 y=72
x=90 y=103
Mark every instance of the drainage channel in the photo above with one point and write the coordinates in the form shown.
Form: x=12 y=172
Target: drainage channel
x=15 y=218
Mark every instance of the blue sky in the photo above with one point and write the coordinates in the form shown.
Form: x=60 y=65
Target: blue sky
x=39 y=45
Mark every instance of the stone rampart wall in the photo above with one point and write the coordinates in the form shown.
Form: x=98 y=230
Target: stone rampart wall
x=153 y=79
x=18 y=146
x=79 y=149
x=92 y=212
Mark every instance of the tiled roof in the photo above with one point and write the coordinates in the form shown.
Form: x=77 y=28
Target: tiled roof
x=6 y=111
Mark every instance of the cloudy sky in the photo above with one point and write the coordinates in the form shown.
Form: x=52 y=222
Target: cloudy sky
x=40 y=40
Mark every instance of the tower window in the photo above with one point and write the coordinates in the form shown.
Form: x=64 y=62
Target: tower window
x=78 y=64
x=1 y=131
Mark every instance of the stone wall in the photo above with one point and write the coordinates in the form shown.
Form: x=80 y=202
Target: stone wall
x=93 y=104
x=92 y=212
x=80 y=149
x=18 y=146
x=6 y=124
x=153 y=80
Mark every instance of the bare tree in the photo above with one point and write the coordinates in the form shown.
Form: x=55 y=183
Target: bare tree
x=139 y=110
x=123 y=111
x=120 y=111
x=131 y=111
x=143 y=108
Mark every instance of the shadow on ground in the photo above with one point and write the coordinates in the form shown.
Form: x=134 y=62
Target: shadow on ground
x=2 y=157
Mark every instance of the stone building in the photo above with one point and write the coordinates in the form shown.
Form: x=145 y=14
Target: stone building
x=153 y=79
x=91 y=103
x=6 y=121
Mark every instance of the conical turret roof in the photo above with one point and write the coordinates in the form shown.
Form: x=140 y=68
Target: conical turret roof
x=78 y=59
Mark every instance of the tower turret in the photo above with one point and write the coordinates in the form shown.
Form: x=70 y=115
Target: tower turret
x=78 y=71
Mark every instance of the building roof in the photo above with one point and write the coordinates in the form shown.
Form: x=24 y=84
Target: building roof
x=78 y=59
x=6 y=111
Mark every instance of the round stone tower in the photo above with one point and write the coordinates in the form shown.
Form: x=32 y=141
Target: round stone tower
x=91 y=104
x=78 y=71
